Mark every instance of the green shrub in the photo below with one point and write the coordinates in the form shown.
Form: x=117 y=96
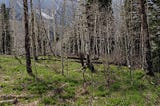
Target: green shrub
x=48 y=100
x=115 y=86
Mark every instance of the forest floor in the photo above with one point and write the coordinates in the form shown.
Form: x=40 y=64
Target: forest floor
x=111 y=88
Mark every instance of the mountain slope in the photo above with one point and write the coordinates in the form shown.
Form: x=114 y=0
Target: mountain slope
x=46 y=7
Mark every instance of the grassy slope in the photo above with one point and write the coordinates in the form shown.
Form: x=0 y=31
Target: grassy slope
x=55 y=89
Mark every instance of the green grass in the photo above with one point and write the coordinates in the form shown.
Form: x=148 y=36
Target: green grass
x=100 y=88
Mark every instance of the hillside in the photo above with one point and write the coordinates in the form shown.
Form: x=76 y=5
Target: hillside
x=79 y=52
x=51 y=88
x=47 y=6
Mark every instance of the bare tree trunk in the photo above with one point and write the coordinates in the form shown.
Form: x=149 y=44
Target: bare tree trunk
x=62 y=36
x=145 y=34
x=54 y=32
x=27 y=39
x=33 y=32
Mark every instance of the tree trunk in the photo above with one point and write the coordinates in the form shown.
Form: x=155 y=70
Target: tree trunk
x=146 y=36
x=33 y=32
x=27 y=39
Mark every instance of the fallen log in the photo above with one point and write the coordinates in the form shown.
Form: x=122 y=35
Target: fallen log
x=11 y=101
x=6 y=97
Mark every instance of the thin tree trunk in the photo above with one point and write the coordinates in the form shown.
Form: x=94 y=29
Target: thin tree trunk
x=62 y=36
x=33 y=32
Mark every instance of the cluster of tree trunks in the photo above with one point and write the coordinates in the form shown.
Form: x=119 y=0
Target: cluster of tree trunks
x=91 y=35
x=5 y=36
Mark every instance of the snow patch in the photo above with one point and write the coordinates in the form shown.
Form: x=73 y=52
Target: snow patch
x=46 y=16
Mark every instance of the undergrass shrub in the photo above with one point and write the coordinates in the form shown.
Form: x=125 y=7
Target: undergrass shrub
x=137 y=85
x=48 y=100
x=114 y=101
x=102 y=91
x=69 y=92
x=115 y=87
x=39 y=87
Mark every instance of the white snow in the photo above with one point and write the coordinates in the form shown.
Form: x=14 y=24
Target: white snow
x=46 y=16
